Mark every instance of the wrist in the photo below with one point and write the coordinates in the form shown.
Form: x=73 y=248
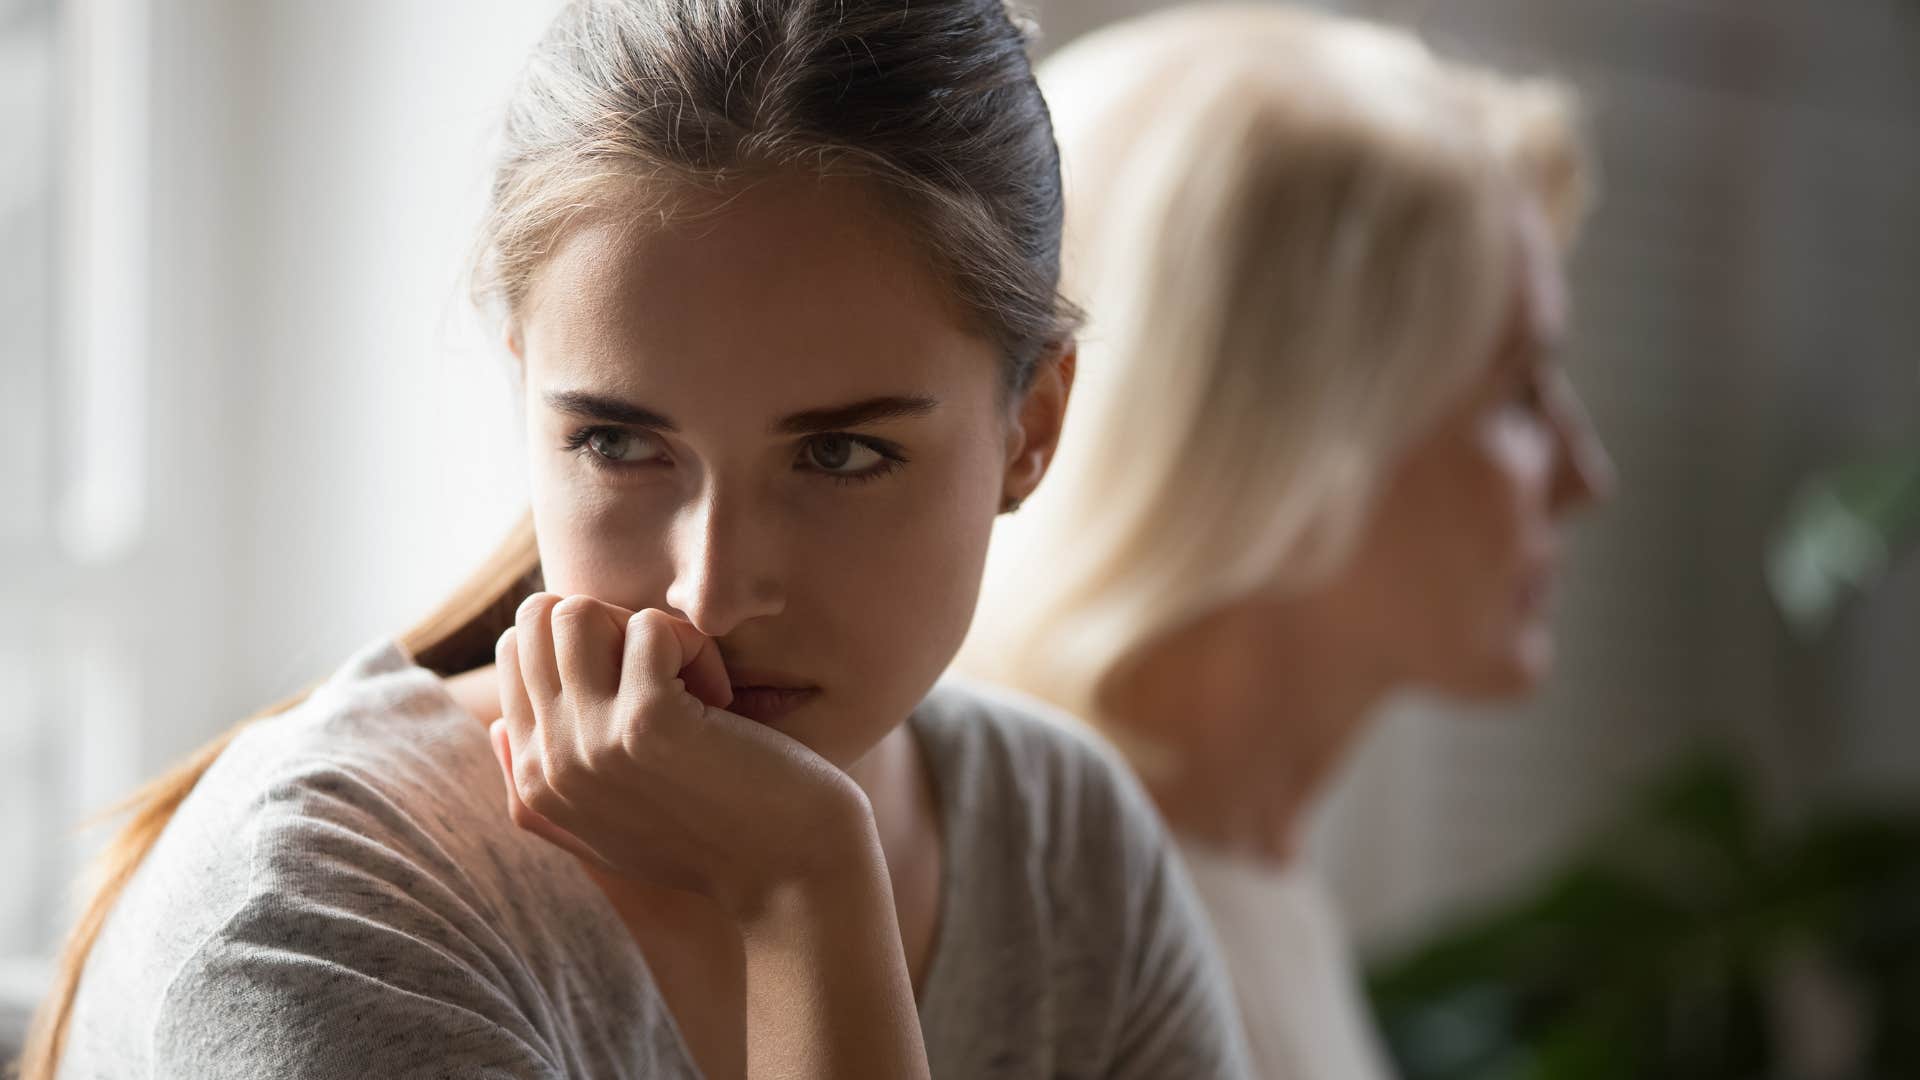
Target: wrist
x=828 y=990
x=842 y=863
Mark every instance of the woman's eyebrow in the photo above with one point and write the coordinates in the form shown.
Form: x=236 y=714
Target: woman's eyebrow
x=870 y=411
x=609 y=410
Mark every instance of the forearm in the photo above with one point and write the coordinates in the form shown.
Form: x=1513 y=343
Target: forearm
x=828 y=993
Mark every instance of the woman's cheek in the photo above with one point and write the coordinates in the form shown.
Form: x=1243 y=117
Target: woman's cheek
x=602 y=544
x=1521 y=451
x=929 y=571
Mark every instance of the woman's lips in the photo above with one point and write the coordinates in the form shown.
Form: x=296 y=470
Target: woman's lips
x=1536 y=590
x=770 y=704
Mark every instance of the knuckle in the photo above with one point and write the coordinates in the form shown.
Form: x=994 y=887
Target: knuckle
x=647 y=620
x=651 y=733
x=561 y=777
x=542 y=800
x=637 y=738
x=560 y=769
x=574 y=607
x=534 y=608
x=507 y=647
x=529 y=779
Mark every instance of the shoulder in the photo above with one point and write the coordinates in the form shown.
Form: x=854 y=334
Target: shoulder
x=984 y=728
x=345 y=873
x=380 y=716
x=377 y=763
x=1293 y=973
x=1067 y=868
x=992 y=747
x=379 y=776
x=1032 y=792
x=375 y=796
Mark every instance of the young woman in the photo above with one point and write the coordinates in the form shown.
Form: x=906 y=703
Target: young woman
x=1320 y=449
x=668 y=789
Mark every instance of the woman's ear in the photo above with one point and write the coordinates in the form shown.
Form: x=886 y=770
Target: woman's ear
x=1038 y=416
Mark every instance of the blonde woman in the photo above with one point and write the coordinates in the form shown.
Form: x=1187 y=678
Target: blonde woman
x=668 y=790
x=1320 y=448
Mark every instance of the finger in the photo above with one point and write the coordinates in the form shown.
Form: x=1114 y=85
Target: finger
x=533 y=629
x=706 y=675
x=518 y=725
x=516 y=708
x=524 y=817
x=588 y=638
x=660 y=649
x=502 y=746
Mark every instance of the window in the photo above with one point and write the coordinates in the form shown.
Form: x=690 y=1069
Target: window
x=73 y=445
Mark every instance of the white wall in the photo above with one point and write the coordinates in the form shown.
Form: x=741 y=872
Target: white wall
x=265 y=213
x=373 y=437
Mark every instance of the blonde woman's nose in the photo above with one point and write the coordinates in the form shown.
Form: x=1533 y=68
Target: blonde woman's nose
x=1585 y=473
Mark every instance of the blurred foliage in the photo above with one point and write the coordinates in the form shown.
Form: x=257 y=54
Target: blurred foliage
x=1844 y=529
x=1688 y=940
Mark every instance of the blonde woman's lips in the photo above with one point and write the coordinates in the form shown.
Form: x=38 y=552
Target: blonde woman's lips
x=1536 y=590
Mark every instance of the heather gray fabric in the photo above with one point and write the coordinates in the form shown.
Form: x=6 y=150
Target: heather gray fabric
x=342 y=897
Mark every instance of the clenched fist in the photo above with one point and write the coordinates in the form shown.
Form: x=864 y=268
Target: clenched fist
x=616 y=745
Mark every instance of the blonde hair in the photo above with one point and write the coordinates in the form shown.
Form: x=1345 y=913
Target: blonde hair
x=1292 y=233
x=629 y=106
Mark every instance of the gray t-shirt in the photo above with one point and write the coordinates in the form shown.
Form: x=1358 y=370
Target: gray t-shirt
x=342 y=896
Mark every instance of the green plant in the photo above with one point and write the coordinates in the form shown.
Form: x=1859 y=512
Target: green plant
x=1845 y=528
x=1687 y=941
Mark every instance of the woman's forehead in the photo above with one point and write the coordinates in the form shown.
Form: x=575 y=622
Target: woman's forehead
x=1542 y=277
x=804 y=283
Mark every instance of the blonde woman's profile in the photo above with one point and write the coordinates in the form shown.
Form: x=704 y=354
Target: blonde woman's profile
x=1320 y=448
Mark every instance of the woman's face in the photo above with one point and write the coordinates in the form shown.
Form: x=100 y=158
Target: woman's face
x=770 y=421
x=1456 y=568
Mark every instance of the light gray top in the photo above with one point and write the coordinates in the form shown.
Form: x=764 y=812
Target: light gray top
x=1292 y=971
x=342 y=896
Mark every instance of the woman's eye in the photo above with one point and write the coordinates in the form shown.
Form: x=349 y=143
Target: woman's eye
x=840 y=454
x=614 y=446
x=849 y=457
x=1529 y=394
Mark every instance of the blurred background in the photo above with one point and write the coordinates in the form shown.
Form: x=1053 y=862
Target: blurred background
x=248 y=422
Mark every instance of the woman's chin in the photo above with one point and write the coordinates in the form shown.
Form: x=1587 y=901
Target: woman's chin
x=1525 y=667
x=1507 y=674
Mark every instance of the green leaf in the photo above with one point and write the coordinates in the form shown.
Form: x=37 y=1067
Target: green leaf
x=1843 y=530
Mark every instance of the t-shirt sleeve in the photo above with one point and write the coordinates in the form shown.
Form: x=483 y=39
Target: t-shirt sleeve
x=1177 y=1013
x=359 y=949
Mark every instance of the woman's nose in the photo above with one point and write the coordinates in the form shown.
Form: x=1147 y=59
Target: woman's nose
x=723 y=572
x=1584 y=473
